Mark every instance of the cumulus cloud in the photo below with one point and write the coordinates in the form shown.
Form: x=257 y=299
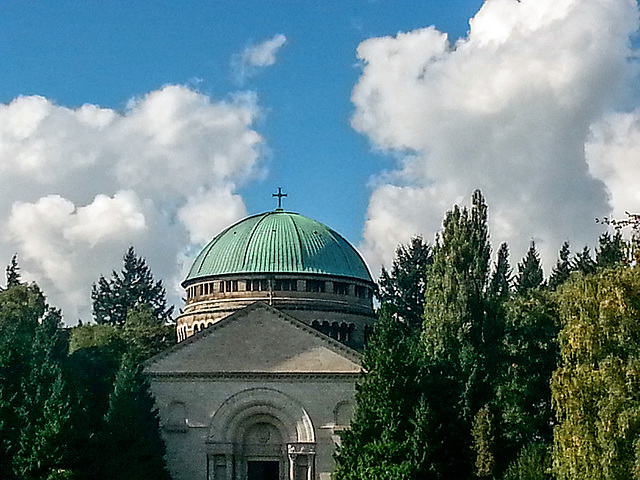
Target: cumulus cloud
x=81 y=185
x=613 y=154
x=246 y=63
x=509 y=109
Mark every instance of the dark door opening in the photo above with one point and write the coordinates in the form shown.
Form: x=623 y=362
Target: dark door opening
x=264 y=470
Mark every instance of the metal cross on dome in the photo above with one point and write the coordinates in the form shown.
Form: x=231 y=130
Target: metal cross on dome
x=279 y=195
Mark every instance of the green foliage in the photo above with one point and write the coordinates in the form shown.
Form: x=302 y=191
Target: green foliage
x=530 y=273
x=459 y=334
x=612 y=250
x=387 y=439
x=533 y=463
x=563 y=268
x=13 y=272
x=500 y=285
x=21 y=307
x=483 y=442
x=54 y=405
x=132 y=287
x=403 y=288
x=596 y=389
x=45 y=412
x=529 y=356
x=584 y=263
x=143 y=336
x=131 y=422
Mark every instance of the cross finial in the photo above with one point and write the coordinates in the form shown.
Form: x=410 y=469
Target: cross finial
x=279 y=195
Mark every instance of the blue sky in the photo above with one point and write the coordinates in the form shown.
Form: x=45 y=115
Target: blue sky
x=158 y=123
x=105 y=53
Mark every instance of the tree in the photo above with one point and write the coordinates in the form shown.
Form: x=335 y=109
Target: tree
x=612 y=250
x=13 y=272
x=134 y=286
x=562 y=269
x=529 y=355
x=533 y=463
x=45 y=411
x=387 y=439
x=131 y=446
x=500 y=285
x=143 y=336
x=584 y=262
x=403 y=288
x=530 y=274
x=595 y=390
x=21 y=308
x=459 y=333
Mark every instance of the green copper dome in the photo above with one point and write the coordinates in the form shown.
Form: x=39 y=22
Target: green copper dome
x=279 y=242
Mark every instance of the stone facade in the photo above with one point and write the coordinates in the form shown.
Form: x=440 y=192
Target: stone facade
x=258 y=395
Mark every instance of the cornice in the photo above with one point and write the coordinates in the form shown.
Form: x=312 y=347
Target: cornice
x=259 y=376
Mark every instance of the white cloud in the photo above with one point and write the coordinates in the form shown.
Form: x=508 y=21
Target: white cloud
x=613 y=153
x=203 y=218
x=508 y=109
x=263 y=54
x=81 y=185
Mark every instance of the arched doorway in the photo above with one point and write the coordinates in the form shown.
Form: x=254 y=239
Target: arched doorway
x=263 y=449
x=261 y=434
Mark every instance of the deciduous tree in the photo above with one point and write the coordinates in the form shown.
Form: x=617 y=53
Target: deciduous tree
x=459 y=333
x=596 y=392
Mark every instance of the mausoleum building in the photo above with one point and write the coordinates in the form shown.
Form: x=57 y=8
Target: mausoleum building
x=262 y=379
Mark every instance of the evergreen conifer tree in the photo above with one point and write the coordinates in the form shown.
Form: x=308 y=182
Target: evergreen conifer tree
x=500 y=285
x=134 y=286
x=529 y=355
x=387 y=439
x=584 y=262
x=13 y=272
x=530 y=274
x=131 y=446
x=562 y=269
x=612 y=250
x=404 y=286
x=45 y=411
x=21 y=308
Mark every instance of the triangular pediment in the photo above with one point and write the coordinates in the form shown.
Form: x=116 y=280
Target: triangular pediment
x=257 y=339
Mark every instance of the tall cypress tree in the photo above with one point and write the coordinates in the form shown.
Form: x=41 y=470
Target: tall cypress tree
x=459 y=333
x=132 y=287
x=530 y=274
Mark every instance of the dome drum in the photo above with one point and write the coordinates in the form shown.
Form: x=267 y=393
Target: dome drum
x=288 y=261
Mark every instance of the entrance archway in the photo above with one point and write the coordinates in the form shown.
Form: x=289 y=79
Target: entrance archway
x=261 y=434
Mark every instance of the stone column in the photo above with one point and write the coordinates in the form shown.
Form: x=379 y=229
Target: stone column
x=302 y=461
